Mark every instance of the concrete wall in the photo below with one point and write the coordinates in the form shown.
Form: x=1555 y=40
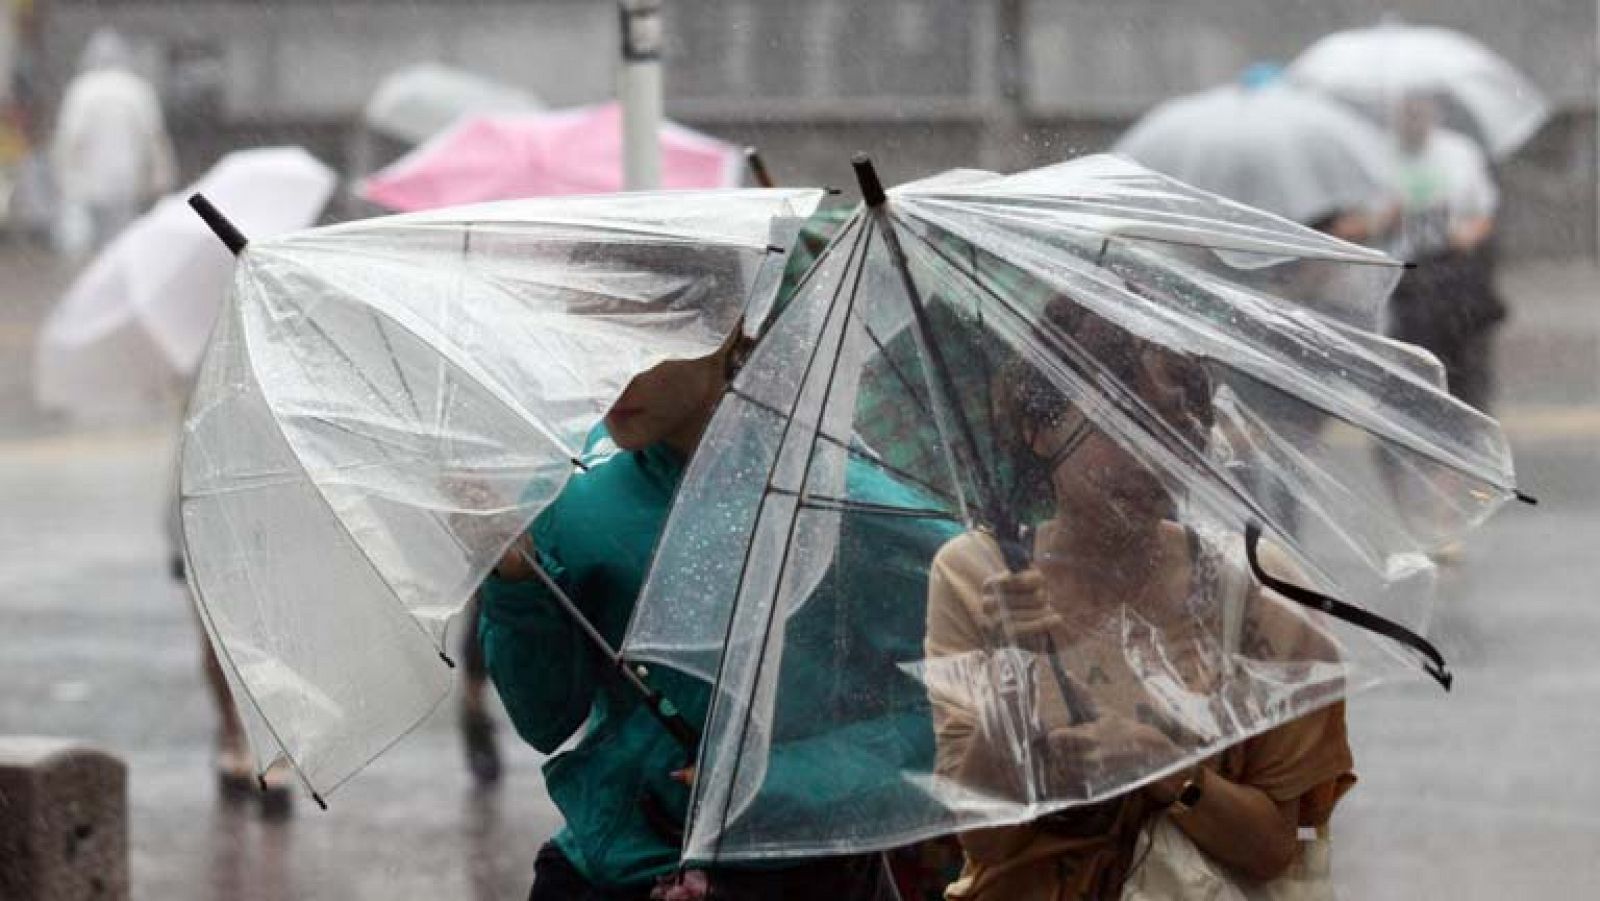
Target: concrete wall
x=923 y=84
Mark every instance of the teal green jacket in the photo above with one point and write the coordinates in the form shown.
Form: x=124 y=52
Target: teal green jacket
x=596 y=540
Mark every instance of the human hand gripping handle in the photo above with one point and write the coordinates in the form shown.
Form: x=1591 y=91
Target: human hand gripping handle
x=1017 y=603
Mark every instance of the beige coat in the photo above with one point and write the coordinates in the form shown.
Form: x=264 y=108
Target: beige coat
x=1146 y=657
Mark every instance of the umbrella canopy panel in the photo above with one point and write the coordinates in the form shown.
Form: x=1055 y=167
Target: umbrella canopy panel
x=974 y=375
x=417 y=102
x=387 y=404
x=1274 y=146
x=1376 y=68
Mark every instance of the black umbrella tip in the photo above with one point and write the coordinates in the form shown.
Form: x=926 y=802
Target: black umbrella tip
x=758 y=167
x=225 y=231
x=1528 y=499
x=867 y=177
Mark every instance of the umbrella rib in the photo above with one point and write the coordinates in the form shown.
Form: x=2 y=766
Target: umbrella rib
x=846 y=505
x=350 y=364
x=899 y=374
x=489 y=384
x=852 y=449
x=394 y=363
x=1157 y=424
x=334 y=513
x=854 y=258
x=1304 y=249
x=800 y=284
x=941 y=382
x=784 y=569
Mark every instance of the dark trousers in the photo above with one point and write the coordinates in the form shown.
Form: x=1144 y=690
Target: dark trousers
x=856 y=878
x=1449 y=305
x=471 y=648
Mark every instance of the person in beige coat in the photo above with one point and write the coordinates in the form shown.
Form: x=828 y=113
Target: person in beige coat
x=1116 y=643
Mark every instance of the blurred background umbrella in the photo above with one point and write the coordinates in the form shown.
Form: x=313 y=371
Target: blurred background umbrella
x=388 y=403
x=1376 y=68
x=1268 y=144
x=417 y=102
x=576 y=151
x=128 y=334
x=895 y=357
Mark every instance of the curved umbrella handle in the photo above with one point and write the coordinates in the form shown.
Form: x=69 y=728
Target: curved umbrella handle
x=1434 y=663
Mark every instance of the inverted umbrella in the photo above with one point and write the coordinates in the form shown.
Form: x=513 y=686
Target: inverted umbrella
x=1273 y=146
x=129 y=332
x=386 y=404
x=1375 y=68
x=507 y=156
x=969 y=337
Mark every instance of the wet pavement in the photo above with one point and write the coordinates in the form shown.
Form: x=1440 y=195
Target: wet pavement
x=1488 y=792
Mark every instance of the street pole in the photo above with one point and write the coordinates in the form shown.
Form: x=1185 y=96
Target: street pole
x=1005 y=146
x=639 y=93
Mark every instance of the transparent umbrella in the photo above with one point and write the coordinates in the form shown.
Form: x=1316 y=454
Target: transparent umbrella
x=1375 y=68
x=1272 y=145
x=1040 y=380
x=417 y=102
x=386 y=404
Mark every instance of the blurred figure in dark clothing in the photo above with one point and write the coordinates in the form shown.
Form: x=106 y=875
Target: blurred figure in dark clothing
x=1442 y=219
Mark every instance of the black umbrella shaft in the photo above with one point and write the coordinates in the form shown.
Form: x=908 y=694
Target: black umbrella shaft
x=993 y=509
x=662 y=709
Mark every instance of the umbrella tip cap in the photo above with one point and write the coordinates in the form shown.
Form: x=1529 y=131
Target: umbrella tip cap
x=225 y=230
x=867 y=178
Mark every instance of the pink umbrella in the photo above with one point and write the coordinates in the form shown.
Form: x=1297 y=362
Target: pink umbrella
x=507 y=156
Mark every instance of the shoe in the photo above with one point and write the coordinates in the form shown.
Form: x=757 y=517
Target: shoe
x=483 y=755
x=276 y=793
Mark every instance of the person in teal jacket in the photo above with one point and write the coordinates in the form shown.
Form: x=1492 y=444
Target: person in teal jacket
x=622 y=787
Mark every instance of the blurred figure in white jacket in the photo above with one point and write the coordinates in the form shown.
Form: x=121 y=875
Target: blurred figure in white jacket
x=111 y=154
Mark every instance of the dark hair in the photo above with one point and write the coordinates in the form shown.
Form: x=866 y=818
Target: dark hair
x=1174 y=385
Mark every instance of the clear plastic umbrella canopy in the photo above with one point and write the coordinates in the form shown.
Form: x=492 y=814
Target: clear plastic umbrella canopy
x=1128 y=482
x=128 y=334
x=387 y=403
x=1376 y=68
x=1273 y=146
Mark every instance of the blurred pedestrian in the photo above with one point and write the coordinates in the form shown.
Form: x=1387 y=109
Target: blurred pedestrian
x=111 y=153
x=477 y=725
x=1442 y=219
x=235 y=768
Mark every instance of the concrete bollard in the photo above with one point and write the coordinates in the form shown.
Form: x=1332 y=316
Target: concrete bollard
x=63 y=821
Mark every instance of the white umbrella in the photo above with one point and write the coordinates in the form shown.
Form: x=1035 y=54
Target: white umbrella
x=1375 y=67
x=1273 y=146
x=417 y=102
x=131 y=329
